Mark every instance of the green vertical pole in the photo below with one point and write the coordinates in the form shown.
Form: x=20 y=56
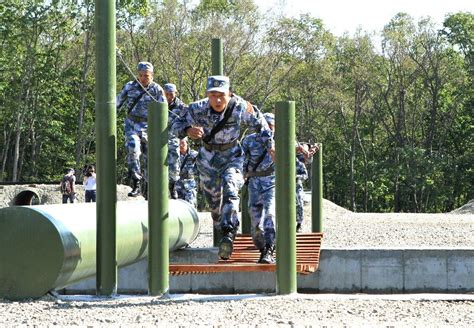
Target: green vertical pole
x=285 y=170
x=246 y=225
x=317 y=191
x=106 y=132
x=217 y=59
x=158 y=214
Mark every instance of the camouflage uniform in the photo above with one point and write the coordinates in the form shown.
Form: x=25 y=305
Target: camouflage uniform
x=220 y=161
x=301 y=175
x=176 y=109
x=186 y=186
x=260 y=172
x=136 y=122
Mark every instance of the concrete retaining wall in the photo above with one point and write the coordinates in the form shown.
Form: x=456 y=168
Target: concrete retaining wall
x=340 y=271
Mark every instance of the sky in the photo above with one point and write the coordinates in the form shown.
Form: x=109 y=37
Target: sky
x=341 y=16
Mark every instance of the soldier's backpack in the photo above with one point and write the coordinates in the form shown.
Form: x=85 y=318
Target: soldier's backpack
x=66 y=187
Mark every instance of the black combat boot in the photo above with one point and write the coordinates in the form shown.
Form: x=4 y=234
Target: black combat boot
x=266 y=255
x=298 y=228
x=226 y=245
x=135 y=177
x=172 y=190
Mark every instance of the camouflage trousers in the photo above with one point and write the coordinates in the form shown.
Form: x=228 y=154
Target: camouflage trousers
x=221 y=179
x=136 y=142
x=299 y=201
x=187 y=190
x=262 y=210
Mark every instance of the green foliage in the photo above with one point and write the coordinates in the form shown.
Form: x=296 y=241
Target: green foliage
x=397 y=125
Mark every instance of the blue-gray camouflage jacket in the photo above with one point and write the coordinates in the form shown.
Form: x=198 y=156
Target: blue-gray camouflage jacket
x=132 y=90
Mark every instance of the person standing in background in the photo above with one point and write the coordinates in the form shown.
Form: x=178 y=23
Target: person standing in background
x=90 y=184
x=68 y=186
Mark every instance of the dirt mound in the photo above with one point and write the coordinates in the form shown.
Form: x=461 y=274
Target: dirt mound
x=330 y=207
x=465 y=209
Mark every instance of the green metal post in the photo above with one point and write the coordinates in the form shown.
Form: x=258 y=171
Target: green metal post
x=217 y=59
x=285 y=170
x=317 y=191
x=246 y=225
x=106 y=132
x=158 y=213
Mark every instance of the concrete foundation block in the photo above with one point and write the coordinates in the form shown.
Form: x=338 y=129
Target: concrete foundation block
x=381 y=271
x=425 y=270
x=340 y=271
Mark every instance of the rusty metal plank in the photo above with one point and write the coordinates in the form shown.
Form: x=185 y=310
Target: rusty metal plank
x=245 y=256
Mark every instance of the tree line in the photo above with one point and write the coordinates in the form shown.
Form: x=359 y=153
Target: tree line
x=393 y=110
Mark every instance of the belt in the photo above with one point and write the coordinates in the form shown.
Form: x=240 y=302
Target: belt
x=265 y=173
x=219 y=147
x=137 y=119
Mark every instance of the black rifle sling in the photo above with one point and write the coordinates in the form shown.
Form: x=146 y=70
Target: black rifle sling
x=221 y=123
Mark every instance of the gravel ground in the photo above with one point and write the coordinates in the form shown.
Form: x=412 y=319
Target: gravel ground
x=342 y=229
x=345 y=229
x=249 y=310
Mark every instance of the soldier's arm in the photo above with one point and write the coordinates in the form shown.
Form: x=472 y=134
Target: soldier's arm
x=245 y=148
x=182 y=123
x=121 y=97
x=187 y=125
x=254 y=118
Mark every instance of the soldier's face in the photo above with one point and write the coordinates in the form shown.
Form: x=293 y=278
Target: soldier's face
x=170 y=96
x=145 y=77
x=183 y=146
x=218 y=100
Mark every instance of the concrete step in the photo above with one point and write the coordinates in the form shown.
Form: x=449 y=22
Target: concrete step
x=416 y=270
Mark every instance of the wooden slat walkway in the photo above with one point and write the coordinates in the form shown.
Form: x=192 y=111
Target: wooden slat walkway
x=245 y=257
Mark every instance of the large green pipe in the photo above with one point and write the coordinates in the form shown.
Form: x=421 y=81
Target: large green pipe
x=217 y=60
x=106 y=134
x=317 y=191
x=158 y=218
x=47 y=247
x=285 y=198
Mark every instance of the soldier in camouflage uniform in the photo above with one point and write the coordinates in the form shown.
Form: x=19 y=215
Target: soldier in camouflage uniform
x=176 y=109
x=217 y=120
x=137 y=95
x=304 y=158
x=186 y=186
x=259 y=170
x=301 y=175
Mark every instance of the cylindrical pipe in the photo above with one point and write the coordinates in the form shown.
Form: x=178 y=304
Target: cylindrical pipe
x=285 y=181
x=158 y=255
x=28 y=196
x=106 y=134
x=317 y=191
x=49 y=247
x=217 y=59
